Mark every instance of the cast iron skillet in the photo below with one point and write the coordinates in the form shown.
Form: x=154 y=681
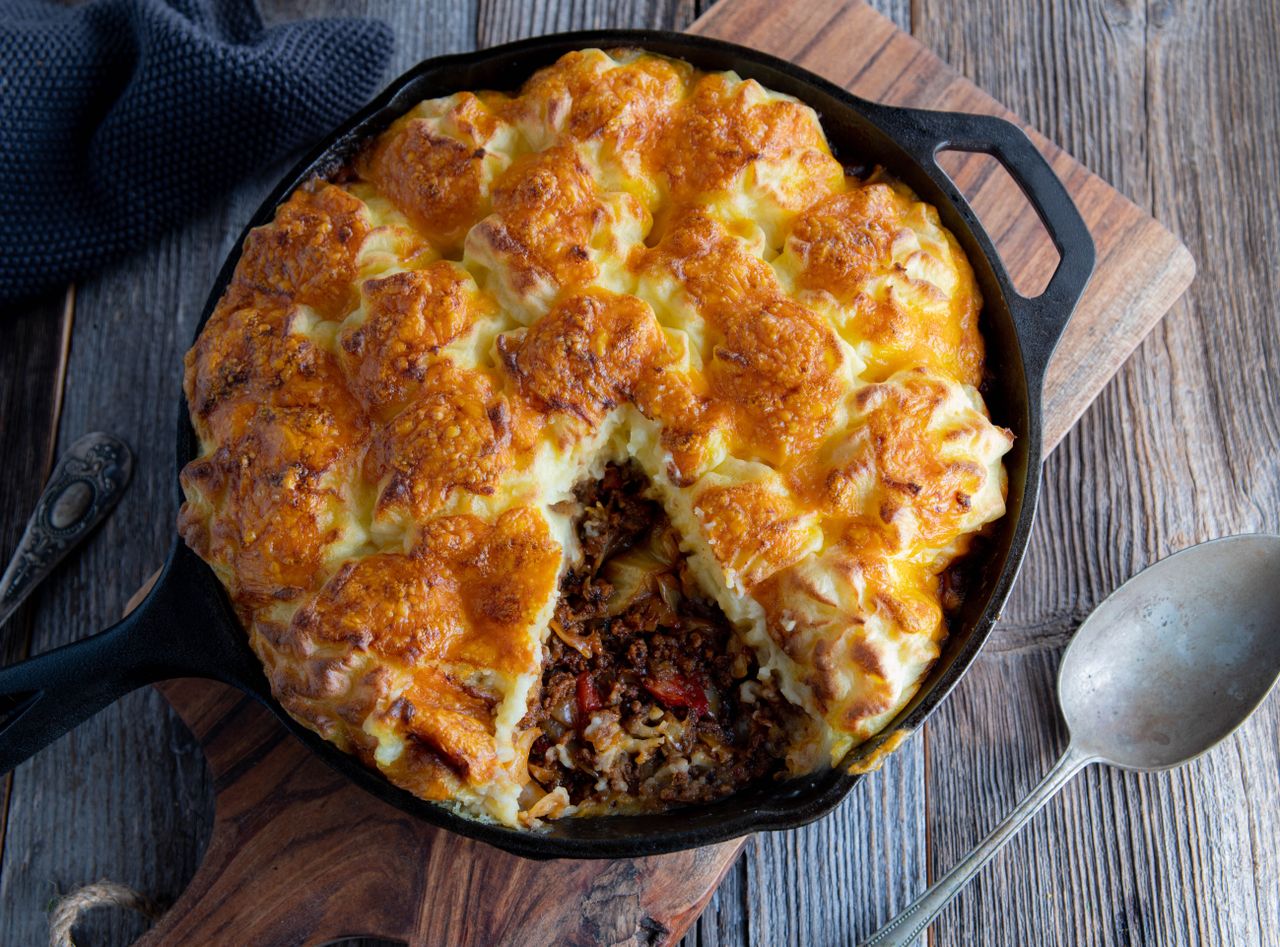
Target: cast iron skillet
x=186 y=628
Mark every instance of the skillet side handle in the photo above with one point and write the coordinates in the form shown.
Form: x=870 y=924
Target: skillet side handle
x=1040 y=320
x=46 y=696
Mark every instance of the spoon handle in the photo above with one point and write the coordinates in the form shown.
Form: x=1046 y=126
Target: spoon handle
x=908 y=925
x=85 y=486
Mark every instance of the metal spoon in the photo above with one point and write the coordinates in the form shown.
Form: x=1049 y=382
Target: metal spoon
x=1165 y=669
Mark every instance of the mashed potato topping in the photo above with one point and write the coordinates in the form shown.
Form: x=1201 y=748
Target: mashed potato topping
x=627 y=262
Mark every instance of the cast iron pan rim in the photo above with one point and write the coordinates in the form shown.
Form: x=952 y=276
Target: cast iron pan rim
x=734 y=823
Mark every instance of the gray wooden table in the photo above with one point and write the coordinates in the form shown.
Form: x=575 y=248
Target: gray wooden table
x=1175 y=103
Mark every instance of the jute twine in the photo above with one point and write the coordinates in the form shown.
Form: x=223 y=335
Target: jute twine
x=68 y=909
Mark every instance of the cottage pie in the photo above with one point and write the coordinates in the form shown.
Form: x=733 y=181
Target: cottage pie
x=594 y=449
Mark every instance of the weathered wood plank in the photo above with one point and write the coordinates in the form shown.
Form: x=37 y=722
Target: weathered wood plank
x=33 y=354
x=34 y=345
x=1180 y=447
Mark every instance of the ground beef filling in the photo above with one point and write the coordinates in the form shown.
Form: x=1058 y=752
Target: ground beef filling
x=648 y=698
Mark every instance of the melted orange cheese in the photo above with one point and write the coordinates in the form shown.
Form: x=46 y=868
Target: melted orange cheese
x=587 y=356
x=897 y=283
x=407 y=318
x=434 y=165
x=733 y=134
x=309 y=254
x=625 y=102
x=457 y=435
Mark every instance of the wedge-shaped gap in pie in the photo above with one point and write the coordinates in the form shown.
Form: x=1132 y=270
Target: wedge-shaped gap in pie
x=650 y=697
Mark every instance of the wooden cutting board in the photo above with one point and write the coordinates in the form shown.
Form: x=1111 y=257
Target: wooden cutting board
x=298 y=856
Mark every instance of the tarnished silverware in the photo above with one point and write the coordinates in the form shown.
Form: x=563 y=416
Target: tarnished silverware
x=86 y=484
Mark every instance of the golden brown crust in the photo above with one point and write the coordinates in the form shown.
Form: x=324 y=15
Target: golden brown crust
x=505 y=573
x=727 y=127
x=854 y=678
x=692 y=421
x=410 y=371
x=911 y=471
x=550 y=224
x=246 y=353
x=753 y=531
x=435 y=170
x=586 y=95
x=457 y=608
x=308 y=253
x=277 y=491
x=588 y=355
x=870 y=248
x=465 y=595
x=773 y=365
x=409 y=317
x=457 y=435
x=714 y=268
x=778 y=368
x=845 y=239
x=906 y=468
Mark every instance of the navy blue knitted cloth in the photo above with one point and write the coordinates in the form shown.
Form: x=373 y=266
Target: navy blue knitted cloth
x=120 y=117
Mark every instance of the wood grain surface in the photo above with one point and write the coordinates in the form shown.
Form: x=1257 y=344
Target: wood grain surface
x=300 y=856
x=1172 y=102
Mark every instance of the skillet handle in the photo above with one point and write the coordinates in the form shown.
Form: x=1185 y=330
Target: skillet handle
x=44 y=697
x=1040 y=320
x=166 y=636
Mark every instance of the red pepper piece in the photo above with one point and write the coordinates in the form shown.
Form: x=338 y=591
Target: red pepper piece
x=588 y=697
x=678 y=692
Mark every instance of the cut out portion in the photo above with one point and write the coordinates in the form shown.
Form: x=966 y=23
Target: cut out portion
x=649 y=697
x=1008 y=217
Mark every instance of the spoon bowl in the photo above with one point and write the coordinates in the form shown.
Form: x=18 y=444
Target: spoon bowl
x=1178 y=657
